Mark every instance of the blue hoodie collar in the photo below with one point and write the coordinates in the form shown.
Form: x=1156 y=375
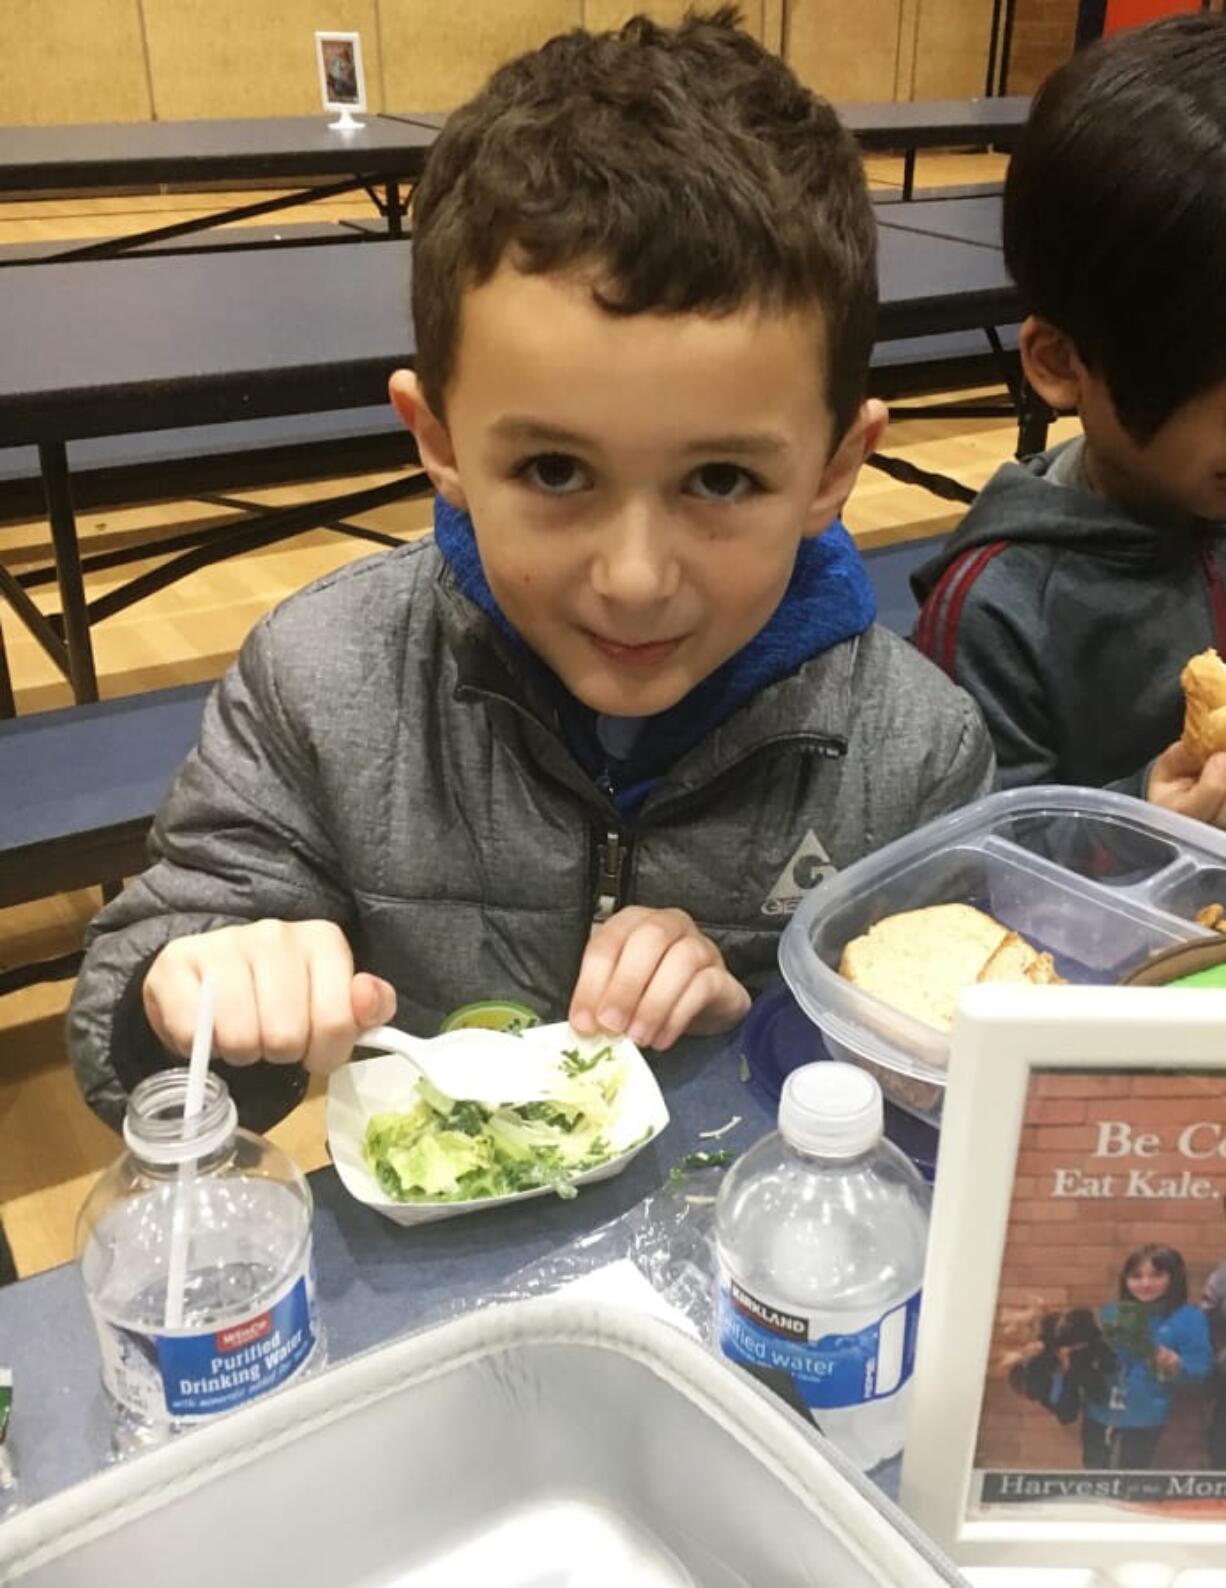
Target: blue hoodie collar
x=828 y=600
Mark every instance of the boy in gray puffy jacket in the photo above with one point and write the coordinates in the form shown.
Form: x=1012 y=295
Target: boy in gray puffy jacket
x=1079 y=584
x=633 y=679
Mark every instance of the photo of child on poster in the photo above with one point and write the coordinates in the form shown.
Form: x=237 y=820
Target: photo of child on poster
x=1107 y=1373
x=340 y=71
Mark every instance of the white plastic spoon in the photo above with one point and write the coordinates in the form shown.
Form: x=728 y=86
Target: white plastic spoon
x=474 y=1064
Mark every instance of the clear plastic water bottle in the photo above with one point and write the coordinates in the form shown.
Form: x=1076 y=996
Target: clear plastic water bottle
x=243 y=1214
x=820 y=1234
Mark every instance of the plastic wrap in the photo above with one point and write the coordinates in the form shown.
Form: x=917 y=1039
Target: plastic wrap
x=668 y=1238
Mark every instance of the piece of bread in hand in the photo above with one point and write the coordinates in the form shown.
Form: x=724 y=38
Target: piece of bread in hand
x=920 y=960
x=1204 y=722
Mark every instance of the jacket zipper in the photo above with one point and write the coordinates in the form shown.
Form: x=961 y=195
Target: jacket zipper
x=614 y=852
x=1217 y=594
x=612 y=864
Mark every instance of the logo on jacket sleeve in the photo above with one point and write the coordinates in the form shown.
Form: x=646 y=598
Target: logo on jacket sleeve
x=808 y=865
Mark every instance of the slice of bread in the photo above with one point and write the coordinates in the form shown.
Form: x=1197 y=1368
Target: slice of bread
x=1010 y=962
x=919 y=961
x=1042 y=972
x=1016 y=961
x=1204 y=722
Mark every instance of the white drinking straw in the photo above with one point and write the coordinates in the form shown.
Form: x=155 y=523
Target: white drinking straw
x=180 y=1228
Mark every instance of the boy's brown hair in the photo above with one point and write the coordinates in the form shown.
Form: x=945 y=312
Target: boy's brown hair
x=687 y=167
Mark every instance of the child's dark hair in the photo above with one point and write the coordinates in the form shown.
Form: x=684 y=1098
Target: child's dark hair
x=686 y=167
x=1167 y=1261
x=1115 y=213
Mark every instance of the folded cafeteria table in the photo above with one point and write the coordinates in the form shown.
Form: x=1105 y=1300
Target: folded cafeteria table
x=380 y=156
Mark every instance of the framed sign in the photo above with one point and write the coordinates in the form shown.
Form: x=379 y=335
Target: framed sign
x=1069 y=1407
x=342 y=82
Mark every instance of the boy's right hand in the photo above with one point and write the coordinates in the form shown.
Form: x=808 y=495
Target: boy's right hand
x=1177 y=785
x=286 y=991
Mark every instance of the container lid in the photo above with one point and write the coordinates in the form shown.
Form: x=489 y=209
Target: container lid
x=833 y=1110
x=1097 y=879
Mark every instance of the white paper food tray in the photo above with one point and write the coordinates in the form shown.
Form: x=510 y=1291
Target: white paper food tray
x=388 y=1083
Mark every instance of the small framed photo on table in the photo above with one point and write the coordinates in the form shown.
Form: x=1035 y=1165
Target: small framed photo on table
x=342 y=82
x=1069 y=1405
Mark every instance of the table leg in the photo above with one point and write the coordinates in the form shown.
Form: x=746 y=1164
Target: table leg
x=1006 y=45
x=53 y=458
x=395 y=211
x=993 y=45
x=908 y=174
x=8 y=705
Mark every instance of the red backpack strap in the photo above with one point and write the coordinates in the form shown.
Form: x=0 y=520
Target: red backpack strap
x=937 y=631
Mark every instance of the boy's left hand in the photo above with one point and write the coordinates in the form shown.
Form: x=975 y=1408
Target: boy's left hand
x=652 y=975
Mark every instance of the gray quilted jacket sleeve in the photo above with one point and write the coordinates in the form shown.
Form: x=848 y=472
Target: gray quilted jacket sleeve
x=968 y=774
x=238 y=839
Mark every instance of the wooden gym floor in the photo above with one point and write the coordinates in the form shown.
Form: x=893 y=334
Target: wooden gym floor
x=51 y=1146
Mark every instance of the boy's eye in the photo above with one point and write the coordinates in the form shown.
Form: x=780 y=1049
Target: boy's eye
x=722 y=482
x=555 y=473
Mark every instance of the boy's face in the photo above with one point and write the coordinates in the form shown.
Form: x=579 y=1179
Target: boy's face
x=1181 y=470
x=639 y=484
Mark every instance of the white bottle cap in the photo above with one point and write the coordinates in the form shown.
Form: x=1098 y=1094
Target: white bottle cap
x=831 y=1110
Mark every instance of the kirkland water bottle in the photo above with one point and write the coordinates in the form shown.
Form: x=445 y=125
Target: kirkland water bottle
x=229 y=1213
x=820 y=1232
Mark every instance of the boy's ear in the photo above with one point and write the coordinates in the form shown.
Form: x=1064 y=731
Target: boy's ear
x=1052 y=364
x=862 y=438
x=433 y=442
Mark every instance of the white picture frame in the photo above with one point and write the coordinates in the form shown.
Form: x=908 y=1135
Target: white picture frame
x=1007 y=1040
x=342 y=77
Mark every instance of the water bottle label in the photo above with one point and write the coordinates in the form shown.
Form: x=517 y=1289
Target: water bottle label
x=161 y=1376
x=826 y=1370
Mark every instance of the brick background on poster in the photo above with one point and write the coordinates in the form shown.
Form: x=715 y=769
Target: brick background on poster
x=1069 y=1250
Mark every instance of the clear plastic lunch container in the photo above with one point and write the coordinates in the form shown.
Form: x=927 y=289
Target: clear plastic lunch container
x=1098 y=880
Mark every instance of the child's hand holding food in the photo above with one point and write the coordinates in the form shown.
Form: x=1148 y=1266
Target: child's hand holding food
x=286 y=991
x=1178 y=783
x=654 y=976
x=1190 y=777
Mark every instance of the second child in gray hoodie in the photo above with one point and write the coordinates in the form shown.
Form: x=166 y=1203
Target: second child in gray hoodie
x=1081 y=582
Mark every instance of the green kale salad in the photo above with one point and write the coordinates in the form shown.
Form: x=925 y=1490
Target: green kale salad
x=442 y=1150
